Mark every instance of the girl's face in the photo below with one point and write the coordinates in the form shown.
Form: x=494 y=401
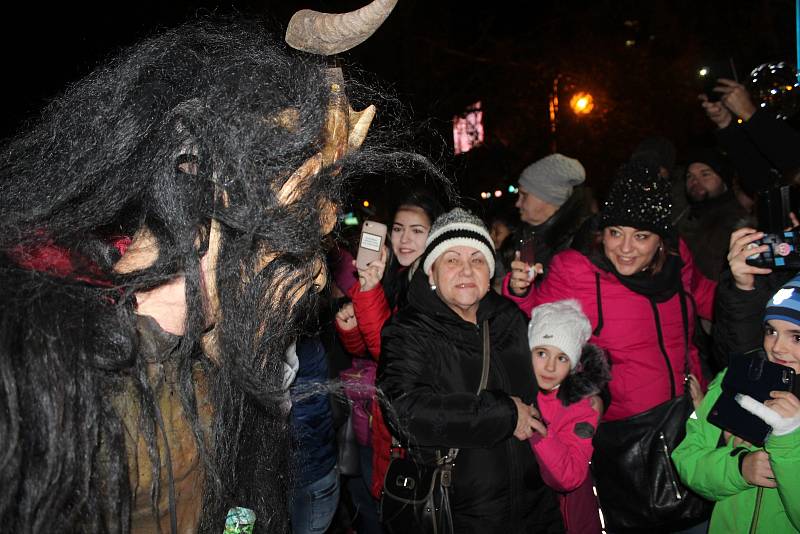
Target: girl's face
x=630 y=250
x=550 y=365
x=782 y=343
x=409 y=232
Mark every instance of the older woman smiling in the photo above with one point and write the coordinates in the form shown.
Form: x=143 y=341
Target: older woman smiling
x=430 y=371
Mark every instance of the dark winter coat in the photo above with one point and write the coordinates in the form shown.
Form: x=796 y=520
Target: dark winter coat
x=430 y=371
x=556 y=234
x=759 y=145
x=738 y=314
x=706 y=227
x=311 y=415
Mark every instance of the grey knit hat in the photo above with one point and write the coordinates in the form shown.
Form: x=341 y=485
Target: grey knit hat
x=454 y=228
x=552 y=178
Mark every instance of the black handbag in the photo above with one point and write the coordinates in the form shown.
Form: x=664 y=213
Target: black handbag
x=415 y=494
x=637 y=484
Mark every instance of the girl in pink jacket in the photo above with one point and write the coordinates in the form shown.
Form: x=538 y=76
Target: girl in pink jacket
x=569 y=372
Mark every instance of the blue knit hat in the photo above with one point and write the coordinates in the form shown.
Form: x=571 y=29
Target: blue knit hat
x=785 y=304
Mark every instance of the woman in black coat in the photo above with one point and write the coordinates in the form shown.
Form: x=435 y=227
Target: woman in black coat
x=430 y=372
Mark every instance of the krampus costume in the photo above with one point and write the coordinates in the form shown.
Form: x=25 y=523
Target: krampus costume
x=160 y=241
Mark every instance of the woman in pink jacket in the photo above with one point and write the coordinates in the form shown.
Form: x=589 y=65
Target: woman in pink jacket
x=639 y=288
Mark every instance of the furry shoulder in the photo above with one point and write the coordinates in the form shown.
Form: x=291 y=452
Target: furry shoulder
x=589 y=378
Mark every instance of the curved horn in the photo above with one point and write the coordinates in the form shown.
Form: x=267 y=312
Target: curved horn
x=332 y=33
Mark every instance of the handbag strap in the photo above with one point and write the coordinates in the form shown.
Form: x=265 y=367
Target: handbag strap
x=486 y=349
x=685 y=318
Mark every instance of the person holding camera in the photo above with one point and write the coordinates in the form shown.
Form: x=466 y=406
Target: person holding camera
x=380 y=291
x=741 y=295
x=760 y=145
x=755 y=489
x=552 y=207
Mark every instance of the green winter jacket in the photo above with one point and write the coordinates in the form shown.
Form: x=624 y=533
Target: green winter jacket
x=712 y=470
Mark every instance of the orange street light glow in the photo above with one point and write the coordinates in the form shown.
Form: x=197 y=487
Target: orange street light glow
x=582 y=103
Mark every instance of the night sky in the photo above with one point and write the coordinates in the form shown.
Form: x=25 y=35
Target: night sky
x=637 y=58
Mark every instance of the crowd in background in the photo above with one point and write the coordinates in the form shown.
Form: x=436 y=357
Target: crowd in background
x=599 y=314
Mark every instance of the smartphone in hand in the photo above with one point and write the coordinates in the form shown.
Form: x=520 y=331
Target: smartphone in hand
x=526 y=248
x=373 y=234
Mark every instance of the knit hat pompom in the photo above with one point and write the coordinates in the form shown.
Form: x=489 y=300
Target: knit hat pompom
x=785 y=304
x=639 y=198
x=561 y=324
x=457 y=227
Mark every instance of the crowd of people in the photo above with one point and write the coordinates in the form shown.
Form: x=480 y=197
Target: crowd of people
x=183 y=333
x=632 y=309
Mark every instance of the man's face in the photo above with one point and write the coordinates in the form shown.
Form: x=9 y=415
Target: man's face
x=702 y=182
x=532 y=209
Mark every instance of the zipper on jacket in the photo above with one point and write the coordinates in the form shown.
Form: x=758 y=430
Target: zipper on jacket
x=756 y=510
x=663 y=348
x=672 y=481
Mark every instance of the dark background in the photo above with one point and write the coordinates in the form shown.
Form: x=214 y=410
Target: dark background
x=637 y=58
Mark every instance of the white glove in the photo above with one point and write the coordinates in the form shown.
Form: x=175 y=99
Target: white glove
x=780 y=425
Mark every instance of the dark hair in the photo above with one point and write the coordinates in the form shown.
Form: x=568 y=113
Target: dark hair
x=395 y=279
x=423 y=200
x=102 y=160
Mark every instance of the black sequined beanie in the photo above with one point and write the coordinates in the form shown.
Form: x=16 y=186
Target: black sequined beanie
x=641 y=199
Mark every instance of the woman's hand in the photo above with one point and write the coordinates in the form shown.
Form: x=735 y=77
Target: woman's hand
x=528 y=421
x=372 y=275
x=757 y=471
x=346 y=317
x=522 y=275
x=695 y=390
x=739 y=249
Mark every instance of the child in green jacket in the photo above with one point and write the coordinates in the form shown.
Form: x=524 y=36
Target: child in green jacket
x=756 y=490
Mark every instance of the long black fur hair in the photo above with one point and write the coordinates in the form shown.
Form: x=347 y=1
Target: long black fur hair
x=101 y=162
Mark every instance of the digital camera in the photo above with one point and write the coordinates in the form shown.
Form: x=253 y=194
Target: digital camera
x=782 y=254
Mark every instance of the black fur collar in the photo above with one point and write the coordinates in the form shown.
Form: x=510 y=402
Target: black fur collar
x=589 y=377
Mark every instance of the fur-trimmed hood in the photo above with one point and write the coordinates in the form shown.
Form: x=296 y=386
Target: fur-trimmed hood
x=589 y=377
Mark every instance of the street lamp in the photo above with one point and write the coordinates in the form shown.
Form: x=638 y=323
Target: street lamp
x=581 y=103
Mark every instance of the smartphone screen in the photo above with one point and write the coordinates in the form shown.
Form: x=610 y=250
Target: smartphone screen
x=369 y=246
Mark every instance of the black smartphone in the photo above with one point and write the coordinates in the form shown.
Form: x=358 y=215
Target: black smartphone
x=750 y=374
x=773 y=206
x=709 y=73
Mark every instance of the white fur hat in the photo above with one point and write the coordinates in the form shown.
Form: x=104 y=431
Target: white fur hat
x=561 y=324
x=454 y=228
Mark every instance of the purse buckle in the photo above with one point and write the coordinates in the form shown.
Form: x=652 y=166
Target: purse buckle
x=405 y=482
x=446 y=475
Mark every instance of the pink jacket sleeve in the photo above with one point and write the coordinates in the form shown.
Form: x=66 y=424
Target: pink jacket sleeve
x=565 y=452
x=557 y=284
x=524 y=303
x=699 y=287
x=372 y=312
